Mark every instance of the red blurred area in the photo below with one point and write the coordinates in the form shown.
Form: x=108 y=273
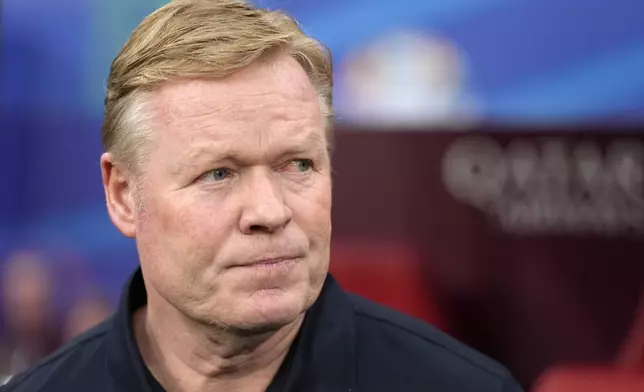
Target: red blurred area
x=390 y=273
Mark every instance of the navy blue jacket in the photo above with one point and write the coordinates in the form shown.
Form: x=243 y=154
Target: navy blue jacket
x=346 y=343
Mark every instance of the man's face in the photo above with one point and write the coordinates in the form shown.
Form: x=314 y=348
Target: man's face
x=233 y=224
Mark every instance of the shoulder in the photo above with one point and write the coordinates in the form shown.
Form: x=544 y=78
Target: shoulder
x=417 y=352
x=65 y=369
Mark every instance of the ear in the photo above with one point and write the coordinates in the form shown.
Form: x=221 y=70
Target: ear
x=119 y=196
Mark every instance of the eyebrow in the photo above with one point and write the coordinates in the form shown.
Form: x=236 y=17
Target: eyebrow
x=312 y=141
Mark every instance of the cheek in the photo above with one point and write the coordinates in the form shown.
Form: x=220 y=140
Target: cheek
x=312 y=211
x=184 y=233
x=179 y=217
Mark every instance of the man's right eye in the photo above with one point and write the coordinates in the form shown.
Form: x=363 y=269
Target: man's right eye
x=219 y=174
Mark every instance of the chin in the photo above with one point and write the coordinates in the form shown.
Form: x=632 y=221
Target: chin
x=270 y=309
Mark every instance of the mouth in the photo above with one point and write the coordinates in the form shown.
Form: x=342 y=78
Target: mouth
x=272 y=263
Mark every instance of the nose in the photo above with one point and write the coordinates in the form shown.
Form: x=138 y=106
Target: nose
x=264 y=210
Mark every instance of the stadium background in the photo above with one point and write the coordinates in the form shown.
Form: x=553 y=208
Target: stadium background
x=432 y=98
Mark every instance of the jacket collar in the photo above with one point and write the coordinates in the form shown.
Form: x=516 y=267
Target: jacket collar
x=322 y=357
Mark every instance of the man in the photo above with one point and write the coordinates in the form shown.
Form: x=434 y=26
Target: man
x=27 y=313
x=217 y=136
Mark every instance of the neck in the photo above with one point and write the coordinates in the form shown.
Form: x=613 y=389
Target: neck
x=186 y=356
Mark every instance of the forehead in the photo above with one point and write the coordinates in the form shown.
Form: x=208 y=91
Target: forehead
x=273 y=96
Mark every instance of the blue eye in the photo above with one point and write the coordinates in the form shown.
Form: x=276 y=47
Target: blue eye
x=218 y=174
x=302 y=165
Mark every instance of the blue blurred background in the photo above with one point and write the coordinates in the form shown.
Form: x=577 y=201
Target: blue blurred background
x=539 y=63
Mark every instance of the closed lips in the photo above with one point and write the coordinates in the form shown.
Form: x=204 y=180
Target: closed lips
x=269 y=262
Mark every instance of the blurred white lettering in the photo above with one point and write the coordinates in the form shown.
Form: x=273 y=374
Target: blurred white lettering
x=550 y=185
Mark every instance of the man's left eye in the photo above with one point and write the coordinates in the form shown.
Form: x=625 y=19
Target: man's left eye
x=301 y=165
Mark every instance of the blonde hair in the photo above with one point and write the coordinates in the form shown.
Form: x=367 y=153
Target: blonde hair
x=208 y=39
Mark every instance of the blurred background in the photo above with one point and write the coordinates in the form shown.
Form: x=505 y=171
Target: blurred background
x=490 y=174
